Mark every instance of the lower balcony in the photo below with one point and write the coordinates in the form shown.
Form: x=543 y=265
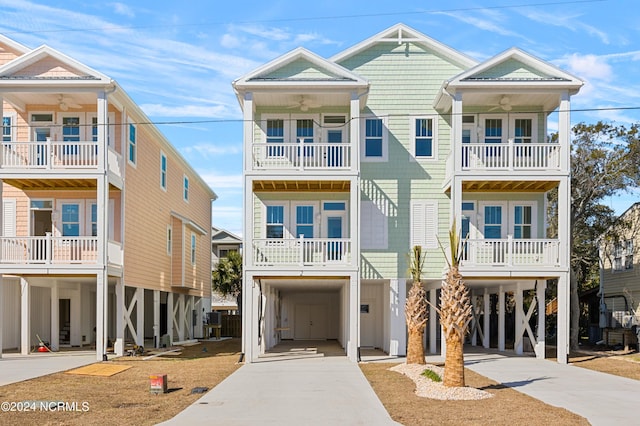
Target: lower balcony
x=50 y=250
x=302 y=252
x=511 y=253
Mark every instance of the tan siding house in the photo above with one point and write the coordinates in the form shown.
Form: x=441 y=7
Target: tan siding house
x=105 y=227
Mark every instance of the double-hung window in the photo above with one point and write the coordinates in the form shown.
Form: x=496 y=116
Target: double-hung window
x=424 y=138
x=304 y=221
x=193 y=249
x=492 y=222
x=522 y=222
x=275 y=222
x=275 y=135
x=7 y=129
x=70 y=133
x=304 y=135
x=185 y=188
x=523 y=130
x=375 y=139
x=70 y=220
x=623 y=256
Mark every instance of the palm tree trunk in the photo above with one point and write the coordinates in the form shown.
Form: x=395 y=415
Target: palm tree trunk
x=454 y=362
x=415 y=349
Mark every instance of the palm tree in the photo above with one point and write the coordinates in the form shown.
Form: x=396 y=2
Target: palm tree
x=415 y=310
x=227 y=277
x=455 y=313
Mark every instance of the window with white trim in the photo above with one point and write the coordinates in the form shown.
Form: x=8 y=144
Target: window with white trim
x=132 y=144
x=70 y=213
x=193 y=248
x=275 y=134
x=169 y=239
x=304 y=221
x=275 y=222
x=163 y=171
x=185 y=188
x=424 y=224
x=424 y=139
x=7 y=128
x=623 y=256
x=523 y=130
x=374 y=139
x=523 y=222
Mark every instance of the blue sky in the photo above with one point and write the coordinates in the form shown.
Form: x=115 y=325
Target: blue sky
x=177 y=59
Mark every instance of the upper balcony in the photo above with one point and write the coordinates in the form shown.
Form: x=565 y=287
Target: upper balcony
x=302 y=252
x=302 y=156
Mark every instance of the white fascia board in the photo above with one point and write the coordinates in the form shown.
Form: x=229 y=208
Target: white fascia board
x=413 y=36
x=14 y=44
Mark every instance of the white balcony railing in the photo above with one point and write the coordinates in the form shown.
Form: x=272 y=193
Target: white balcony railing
x=303 y=156
x=511 y=252
x=49 y=155
x=511 y=156
x=48 y=250
x=302 y=251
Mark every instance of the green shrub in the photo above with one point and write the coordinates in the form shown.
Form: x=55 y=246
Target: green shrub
x=432 y=375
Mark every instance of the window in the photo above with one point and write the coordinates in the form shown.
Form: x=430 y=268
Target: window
x=133 y=142
x=70 y=220
x=169 y=239
x=467 y=211
x=623 y=256
x=334 y=206
x=493 y=130
x=523 y=130
x=374 y=148
x=424 y=224
x=304 y=221
x=275 y=134
x=522 y=222
x=304 y=134
x=163 y=171
x=424 y=138
x=94 y=220
x=70 y=133
x=334 y=134
x=275 y=221
x=185 y=188
x=492 y=222
x=193 y=248
x=7 y=129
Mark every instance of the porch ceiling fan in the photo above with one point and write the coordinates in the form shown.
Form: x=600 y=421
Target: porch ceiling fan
x=504 y=104
x=304 y=104
x=66 y=103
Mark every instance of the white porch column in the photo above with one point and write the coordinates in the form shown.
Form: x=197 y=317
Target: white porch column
x=55 y=318
x=247 y=316
x=189 y=316
x=398 y=328
x=475 y=323
x=256 y=320
x=501 y=313
x=156 y=318
x=120 y=311
x=170 y=317
x=102 y=285
x=433 y=321
x=25 y=317
x=139 y=316
x=353 y=342
x=486 y=327
x=540 y=348
x=519 y=318
x=563 y=319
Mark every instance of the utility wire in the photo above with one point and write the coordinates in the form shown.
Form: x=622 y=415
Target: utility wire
x=307 y=19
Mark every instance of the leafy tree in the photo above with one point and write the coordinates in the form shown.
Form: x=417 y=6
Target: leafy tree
x=604 y=162
x=416 y=309
x=227 y=277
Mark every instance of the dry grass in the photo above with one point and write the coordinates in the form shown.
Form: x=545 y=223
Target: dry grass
x=125 y=398
x=507 y=407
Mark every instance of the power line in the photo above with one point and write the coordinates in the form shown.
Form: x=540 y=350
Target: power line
x=307 y=19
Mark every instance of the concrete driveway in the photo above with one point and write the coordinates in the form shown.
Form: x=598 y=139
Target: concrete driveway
x=17 y=368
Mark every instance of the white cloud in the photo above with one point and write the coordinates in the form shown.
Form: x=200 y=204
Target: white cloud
x=123 y=9
x=210 y=150
x=571 y=21
x=486 y=20
x=159 y=110
x=588 y=66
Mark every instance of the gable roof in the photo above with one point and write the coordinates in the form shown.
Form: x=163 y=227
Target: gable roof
x=515 y=67
x=299 y=67
x=13 y=45
x=401 y=33
x=76 y=71
x=222 y=236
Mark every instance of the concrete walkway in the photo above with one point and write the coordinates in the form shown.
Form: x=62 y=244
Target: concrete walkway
x=16 y=367
x=290 y=390
x=603 y=399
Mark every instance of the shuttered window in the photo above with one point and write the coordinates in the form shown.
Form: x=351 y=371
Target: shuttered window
x=424 y=224
x=9 y=217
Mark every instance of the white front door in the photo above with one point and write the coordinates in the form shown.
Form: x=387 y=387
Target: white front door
x=367 y=323
x=311 y=322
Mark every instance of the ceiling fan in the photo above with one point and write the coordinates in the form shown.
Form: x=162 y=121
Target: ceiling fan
x=304 y=104
x=66 y=103
x=504 y=104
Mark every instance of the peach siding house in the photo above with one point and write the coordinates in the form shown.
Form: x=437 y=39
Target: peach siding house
x=106 y=230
